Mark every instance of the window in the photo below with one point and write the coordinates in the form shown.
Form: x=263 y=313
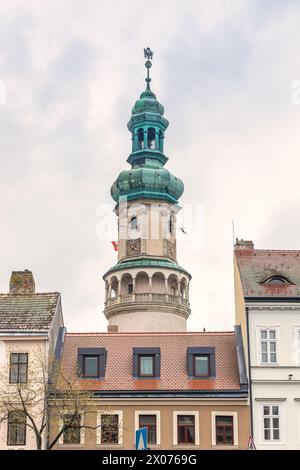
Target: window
x=109 y=429
x=149 y=422
x=186 y=429
x=90 y=366
x=224 y=430
x=276 y=281
x=268 y=346
x=18 y=368
x=151 y=138
x=171 y=224
x=133 y=225
x=297 y=346
x=140 y=138
x=130 y=288
x=201 y=365
x=91 y=363
x=146 y=363
x=271 y=422
x=72 y=433
x=201 y=362
x=16 y=428
x=146 y=366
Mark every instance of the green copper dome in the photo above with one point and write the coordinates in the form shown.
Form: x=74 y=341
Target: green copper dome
x=147 y=104
x=147 y=177
x=147 y=182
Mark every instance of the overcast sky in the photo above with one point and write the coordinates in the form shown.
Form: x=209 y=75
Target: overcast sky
x=223 y=70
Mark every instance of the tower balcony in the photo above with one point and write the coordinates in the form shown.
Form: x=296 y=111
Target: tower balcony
x=147 y=300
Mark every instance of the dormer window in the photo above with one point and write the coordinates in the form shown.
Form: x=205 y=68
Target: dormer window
x=91 y=363
x=201 y=363
x=276 y=281
x=146 y=363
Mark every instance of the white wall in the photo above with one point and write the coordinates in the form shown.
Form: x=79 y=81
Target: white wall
x=271 y=383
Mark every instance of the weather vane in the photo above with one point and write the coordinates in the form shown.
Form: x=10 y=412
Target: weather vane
x=148 y=54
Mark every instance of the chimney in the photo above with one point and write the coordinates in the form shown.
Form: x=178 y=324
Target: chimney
x=243 y=244
x=112 y=329
x=21 y=282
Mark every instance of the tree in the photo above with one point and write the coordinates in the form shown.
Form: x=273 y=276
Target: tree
x=30 y=398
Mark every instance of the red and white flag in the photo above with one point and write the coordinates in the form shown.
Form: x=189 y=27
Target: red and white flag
x=115 y=245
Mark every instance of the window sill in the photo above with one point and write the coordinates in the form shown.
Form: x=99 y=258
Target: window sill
x=225 y=447
x=186 y=446
x=109 y=446
x=71 y=445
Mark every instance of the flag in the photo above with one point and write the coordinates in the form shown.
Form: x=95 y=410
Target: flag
x=115 y=245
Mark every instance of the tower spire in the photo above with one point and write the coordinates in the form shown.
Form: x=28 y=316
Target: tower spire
x=148 y=54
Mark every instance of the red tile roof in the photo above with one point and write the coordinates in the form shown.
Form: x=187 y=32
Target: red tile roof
x=256 y=266
x=173 y=348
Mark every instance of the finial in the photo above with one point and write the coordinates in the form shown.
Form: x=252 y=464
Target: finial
x=148 y=54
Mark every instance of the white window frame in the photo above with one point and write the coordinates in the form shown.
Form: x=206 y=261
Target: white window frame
x=234 y=414
x=149 y=412
x=120 y=428
x=82 y=433
x=297 y=345
x=175 y=429
x=259 y=341
x=262 y=416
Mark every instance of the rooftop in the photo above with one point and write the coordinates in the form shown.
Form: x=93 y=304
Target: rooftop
x=30 y=312
x=173 y=350
x=258 y=266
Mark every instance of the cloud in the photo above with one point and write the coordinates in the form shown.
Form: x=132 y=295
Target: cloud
x=224 y=72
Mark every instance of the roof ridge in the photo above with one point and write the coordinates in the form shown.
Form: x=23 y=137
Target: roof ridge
x=154 y=333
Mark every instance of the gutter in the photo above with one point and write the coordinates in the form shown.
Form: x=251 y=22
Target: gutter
x=249 y=369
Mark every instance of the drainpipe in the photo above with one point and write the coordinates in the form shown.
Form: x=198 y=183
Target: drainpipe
x=249 y=371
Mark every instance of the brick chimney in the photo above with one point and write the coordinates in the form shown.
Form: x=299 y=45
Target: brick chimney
x=21 y=282
x=112 y=329
x=243 y=244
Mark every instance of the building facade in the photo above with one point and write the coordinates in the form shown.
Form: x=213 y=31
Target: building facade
x=31 y=333
x=189 y=389
x=267 y=294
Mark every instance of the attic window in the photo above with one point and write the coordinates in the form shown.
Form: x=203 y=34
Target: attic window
x=276 y=281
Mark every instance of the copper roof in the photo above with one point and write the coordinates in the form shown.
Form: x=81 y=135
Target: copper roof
x=30 y=312
x=256 y=266
x=173 y=350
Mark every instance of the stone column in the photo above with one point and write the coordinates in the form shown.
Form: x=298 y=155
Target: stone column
x=109 y=292
x=150 y=287
x=156 y=140
x=133 y=289
x=145 y=138
x=166 y=289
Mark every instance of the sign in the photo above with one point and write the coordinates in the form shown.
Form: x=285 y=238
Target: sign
x=141 y=439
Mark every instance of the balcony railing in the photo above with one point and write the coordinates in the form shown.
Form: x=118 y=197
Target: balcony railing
x=147 y=298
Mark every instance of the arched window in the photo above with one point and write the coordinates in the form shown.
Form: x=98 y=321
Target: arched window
x=133 y=224
x=140 y=134
x=171 y=224
x=160 y=141
x=276 y=281
x=151 y=138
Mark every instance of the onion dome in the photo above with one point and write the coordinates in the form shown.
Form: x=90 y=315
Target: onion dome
x=147 y=182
